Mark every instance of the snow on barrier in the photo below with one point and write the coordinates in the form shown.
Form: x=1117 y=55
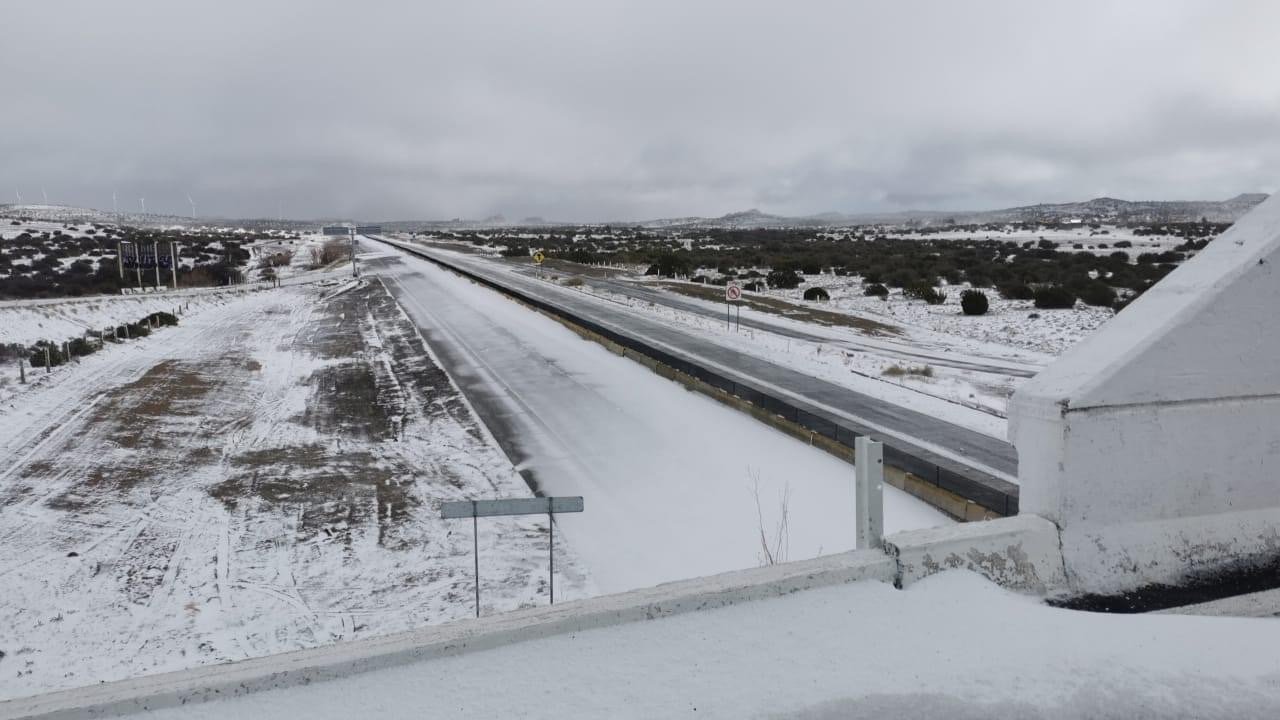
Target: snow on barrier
x=333 y=661
x=1152 y=444
x=952 y=478
x=1020 y=553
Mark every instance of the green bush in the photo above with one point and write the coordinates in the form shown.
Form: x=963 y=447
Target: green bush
x=974 y=302
x=1098 y=294
x=56 y=356
x=162 y=319
x=816 y=293
x=875 y=289
x=926 y=292
x=784 y=280
x=81 y=347
x=1054 y=297
x=1017 y=291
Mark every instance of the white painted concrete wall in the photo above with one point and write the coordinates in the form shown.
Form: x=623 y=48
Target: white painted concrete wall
x=1148 y=441
x=1020 y=553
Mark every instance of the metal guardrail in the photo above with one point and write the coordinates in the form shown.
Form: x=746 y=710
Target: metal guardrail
x=993 y=493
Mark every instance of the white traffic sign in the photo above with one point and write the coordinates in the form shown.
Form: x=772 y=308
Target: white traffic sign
x=510 y=506
x=732 y=292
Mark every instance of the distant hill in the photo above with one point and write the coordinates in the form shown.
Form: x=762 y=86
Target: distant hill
x=1099 y=210
x=1102 y=210
x=79 y=215
x=1126 y=211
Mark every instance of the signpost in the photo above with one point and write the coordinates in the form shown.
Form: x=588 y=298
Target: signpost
x=732 y=294
x=352 y=232
x=475 y=509
x=868 y=468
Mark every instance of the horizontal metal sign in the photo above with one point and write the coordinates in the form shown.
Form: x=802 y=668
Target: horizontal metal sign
x=337 y=230
x=369 y=230
x=510 y=506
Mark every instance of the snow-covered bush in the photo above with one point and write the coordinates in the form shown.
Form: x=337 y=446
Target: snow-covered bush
x=974 y=302
x=1054 y=297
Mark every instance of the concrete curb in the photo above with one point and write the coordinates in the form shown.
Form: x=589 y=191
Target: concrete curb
x=334 y=661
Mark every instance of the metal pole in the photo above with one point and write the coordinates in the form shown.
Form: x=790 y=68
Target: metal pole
x=868 y=462
x=119 y=259
x=173 y=258
x=48 y=366
x=726 y=313
x=475 y=535
x=155 y=258
x=22 y=370
x=355 y=272
x=551 y=554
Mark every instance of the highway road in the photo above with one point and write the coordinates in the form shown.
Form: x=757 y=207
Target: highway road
x=886 y=347
x=670 y=477
x=903 y=428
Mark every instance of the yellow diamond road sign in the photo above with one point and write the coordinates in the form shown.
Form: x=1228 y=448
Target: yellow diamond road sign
x=538 y=257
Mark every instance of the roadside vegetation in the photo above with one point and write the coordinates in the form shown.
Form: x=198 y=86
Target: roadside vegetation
x=1101 y=272
x=48 y=353
x=75 y=260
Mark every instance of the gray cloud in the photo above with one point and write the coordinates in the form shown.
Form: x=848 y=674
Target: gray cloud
x=593 y=109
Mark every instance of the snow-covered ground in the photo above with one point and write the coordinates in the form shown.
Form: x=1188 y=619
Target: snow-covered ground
x=264 y=477
x=1016 y=324
x=301 y=252
x=1102 y=240
x=952 y=646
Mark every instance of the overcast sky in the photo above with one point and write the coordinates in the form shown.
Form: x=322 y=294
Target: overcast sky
x=598 y=110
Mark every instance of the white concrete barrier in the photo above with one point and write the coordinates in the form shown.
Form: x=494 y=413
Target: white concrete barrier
x=1153 y=444
x=333 y=661
x=1021 y=553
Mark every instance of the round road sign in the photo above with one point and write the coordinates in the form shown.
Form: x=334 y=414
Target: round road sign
x=732 y=292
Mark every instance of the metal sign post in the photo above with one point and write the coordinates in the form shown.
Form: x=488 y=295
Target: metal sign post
x=476 y=509
x=868 y=469
x=732 y=293
x=355 y=271
x=361 y=230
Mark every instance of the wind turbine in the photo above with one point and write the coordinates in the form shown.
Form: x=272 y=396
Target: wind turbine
x=143 y=202
x=115 y=209
x=15 y=192
x=193 y=206
x=45 y=194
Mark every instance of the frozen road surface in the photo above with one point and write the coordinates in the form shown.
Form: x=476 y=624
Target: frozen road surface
x=676 y=485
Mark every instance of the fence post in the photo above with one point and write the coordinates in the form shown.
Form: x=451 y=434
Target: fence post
x=22 y=370
x=868 y=462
